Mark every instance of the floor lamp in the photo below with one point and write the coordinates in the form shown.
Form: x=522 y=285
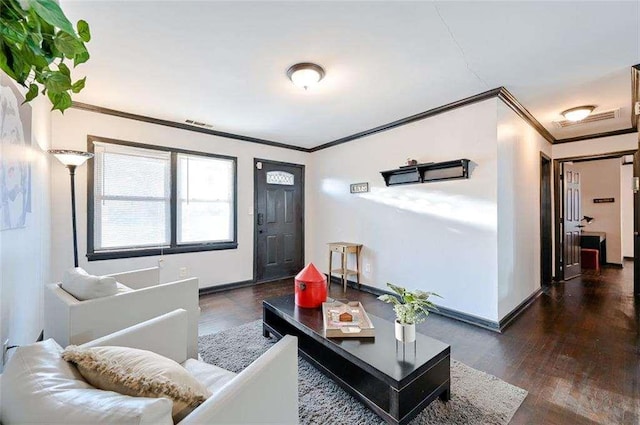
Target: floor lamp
x=71 y=160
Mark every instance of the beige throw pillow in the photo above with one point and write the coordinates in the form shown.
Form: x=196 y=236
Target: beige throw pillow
x=139 y=373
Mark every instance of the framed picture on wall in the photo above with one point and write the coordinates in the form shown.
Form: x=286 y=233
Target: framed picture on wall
x=15 y=165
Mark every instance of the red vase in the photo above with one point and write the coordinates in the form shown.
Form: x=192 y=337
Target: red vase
x=311 y=287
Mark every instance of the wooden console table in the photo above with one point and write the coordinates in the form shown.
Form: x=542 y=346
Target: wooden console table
x=344 y=249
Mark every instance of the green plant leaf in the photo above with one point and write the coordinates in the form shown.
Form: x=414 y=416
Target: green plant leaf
x=83 y=31
x=64 y=69
x=12 y=32
x=68 y=44
x=397 y=289
x=389 y=299
x=14 y=7
x=5 y=54
x=60 y=101
x=57 y=82
x=78 y=85
x=31 y=94
x=51 y=13
x=80 y=58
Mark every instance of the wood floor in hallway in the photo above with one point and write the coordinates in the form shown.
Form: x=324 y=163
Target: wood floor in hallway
x=576 y=349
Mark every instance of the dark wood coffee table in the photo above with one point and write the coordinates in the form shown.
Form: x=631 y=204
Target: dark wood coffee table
x=371 y=369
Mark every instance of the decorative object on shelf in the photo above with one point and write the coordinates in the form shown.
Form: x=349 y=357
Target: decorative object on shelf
x=72 y=159
x=305 y=74
x=345 y=317
x=37 y=41
x=411 y=162
x=358 y=326
x=603 y=200
x=310 y=287
x=344 y=249
x=410 y=308
x=429 y=172
x=359 y=187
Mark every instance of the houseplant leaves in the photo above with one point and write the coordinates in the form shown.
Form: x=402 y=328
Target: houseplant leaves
x=35 y=42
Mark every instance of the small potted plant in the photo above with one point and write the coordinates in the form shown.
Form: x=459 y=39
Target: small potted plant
x=411 y=308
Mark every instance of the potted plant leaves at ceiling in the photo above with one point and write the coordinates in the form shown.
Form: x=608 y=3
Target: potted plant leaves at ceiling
x=411 y=308
x=36 y=39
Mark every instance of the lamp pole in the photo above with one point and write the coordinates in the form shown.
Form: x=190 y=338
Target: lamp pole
x=72 y=175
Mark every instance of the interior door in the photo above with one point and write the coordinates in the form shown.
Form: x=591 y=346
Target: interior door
x=636 y=223
x=279 y=220
x=546 y=241
x=572 y=214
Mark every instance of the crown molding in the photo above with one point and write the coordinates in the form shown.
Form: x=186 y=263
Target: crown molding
x=595 y=136
x=513 y=103
x=183 y=126
x=417 y=117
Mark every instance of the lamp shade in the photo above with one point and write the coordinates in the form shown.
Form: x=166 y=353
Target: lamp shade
x=70 y=157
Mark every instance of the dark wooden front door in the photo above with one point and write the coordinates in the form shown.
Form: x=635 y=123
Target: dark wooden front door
x=279 y=219
x=572 y=215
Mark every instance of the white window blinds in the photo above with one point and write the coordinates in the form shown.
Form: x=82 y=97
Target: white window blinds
x=205 y=210
x=132 y=193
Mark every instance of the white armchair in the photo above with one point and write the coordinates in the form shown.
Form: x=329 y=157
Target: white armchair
x=70 y=321
x=266 y=392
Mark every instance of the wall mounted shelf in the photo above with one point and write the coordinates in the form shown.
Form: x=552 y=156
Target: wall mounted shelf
x=429 y=172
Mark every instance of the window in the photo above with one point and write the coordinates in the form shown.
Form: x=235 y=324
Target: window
x=147 y=200
x=205 y=194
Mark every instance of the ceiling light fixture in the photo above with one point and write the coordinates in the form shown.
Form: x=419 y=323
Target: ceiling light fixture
x=579 y=113
x=305 y=74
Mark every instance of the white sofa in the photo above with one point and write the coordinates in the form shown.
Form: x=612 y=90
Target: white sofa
x=266 y=392
x=70 y=321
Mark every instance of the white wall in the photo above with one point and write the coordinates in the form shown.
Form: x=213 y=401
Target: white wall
x=519 y=148
x=212 y=267
x=440 y=236
x=626 y=209
x=25 y=252
x=601 y=179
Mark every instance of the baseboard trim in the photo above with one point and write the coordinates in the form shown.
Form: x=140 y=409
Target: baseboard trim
x=511 y=316
x=629 y=258
x=614 y=265
x=442 y=311
x=225 y=287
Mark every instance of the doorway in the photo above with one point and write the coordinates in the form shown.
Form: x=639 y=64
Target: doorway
x=546 y=240
x=586 y=207
x=278 y=220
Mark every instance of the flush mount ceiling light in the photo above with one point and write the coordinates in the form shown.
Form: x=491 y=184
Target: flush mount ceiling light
x=579 y=113
x=305 y=74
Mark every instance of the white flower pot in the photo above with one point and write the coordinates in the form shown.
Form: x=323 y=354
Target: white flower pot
x=405 y=333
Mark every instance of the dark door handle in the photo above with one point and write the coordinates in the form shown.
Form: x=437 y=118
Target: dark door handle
x=260 y=219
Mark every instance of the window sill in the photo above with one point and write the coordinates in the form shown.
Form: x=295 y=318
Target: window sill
x=148 y=252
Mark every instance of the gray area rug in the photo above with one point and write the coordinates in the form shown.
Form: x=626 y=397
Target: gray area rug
x=476 y=397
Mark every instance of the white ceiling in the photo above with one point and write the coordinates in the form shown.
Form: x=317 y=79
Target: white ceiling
x=224 y=63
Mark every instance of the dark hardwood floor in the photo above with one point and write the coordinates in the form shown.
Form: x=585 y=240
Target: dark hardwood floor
x=576 y=349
